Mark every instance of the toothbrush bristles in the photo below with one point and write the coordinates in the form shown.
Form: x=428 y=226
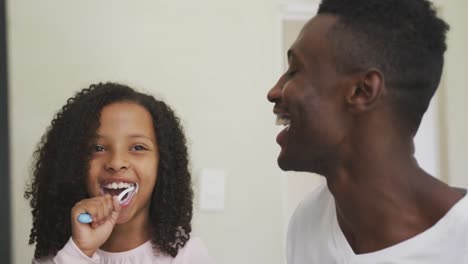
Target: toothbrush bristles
x=123 y=193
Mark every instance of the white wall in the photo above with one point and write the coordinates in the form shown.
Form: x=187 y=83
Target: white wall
x=212 y=60
x=455 y=95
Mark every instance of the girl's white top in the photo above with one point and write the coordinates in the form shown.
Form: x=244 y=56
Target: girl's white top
x=194 y=252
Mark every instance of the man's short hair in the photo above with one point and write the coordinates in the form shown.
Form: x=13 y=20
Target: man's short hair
x=403 y=38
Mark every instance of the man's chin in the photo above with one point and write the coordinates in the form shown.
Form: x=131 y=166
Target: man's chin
x=289 y=163
x=288 y=166
x=284 y=163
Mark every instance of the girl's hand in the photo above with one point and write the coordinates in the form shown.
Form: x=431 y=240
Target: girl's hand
x=104 y=211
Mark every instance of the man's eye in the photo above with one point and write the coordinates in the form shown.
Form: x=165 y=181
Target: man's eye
x=138 y=148
x=98 y=148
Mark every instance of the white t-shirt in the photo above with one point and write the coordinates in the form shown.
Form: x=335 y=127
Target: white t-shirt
x=314 y=237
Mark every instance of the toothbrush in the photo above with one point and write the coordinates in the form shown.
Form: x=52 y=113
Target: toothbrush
x=85 y=218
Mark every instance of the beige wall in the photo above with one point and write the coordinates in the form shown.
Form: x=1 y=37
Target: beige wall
x=212 y=60
x=455 y=93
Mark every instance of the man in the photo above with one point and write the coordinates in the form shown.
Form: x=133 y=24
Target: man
x=361 y=75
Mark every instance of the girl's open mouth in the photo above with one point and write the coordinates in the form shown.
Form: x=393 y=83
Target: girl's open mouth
x=116 y=188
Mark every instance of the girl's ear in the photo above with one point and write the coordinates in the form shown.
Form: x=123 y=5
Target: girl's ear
x=366 y=91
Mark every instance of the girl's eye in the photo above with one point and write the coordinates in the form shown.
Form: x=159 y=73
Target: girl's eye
x=98 y=148
x=138 y=148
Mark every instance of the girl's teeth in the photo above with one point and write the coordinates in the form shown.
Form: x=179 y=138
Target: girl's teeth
x=118 y=185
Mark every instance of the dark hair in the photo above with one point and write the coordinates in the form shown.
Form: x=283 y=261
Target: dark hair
x=402 y=38
x=61 y=168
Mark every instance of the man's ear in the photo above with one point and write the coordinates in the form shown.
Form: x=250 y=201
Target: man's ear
x=366 y=91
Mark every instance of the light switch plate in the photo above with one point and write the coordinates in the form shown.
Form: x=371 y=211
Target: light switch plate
x=212 y=184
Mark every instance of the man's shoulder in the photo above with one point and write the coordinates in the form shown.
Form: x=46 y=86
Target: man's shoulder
x=313 y=209
x=318 y=199
x=310 y=227
x=458 y=214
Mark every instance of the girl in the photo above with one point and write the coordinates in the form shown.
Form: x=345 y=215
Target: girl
x=106 y=139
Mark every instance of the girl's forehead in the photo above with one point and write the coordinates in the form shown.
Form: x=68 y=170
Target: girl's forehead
x=125 y=118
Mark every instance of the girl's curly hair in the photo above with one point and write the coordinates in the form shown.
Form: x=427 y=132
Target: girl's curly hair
x=62 y=164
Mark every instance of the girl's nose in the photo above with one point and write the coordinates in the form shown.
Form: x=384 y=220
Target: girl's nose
x=117 y=162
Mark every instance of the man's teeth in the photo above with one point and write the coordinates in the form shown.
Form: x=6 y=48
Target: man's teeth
x=282 y=120
x=118 y=185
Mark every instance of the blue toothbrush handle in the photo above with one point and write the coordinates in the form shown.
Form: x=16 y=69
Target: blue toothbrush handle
x=85 y=218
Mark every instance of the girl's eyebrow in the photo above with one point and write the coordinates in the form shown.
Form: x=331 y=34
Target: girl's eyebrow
x=99 y=136
x=140 y=136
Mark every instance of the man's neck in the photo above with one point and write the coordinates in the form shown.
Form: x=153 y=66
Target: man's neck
x=381 y=201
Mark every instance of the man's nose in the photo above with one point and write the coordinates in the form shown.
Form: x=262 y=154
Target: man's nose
x=274 y=94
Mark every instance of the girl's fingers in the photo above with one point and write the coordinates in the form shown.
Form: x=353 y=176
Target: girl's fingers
x=109 y=203
x=94 y=225
x=116 y=204
x=116 y=211
x=89 y=237
x=100 y=208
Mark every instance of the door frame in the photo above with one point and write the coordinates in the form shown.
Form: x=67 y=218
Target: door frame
x=5 y=220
